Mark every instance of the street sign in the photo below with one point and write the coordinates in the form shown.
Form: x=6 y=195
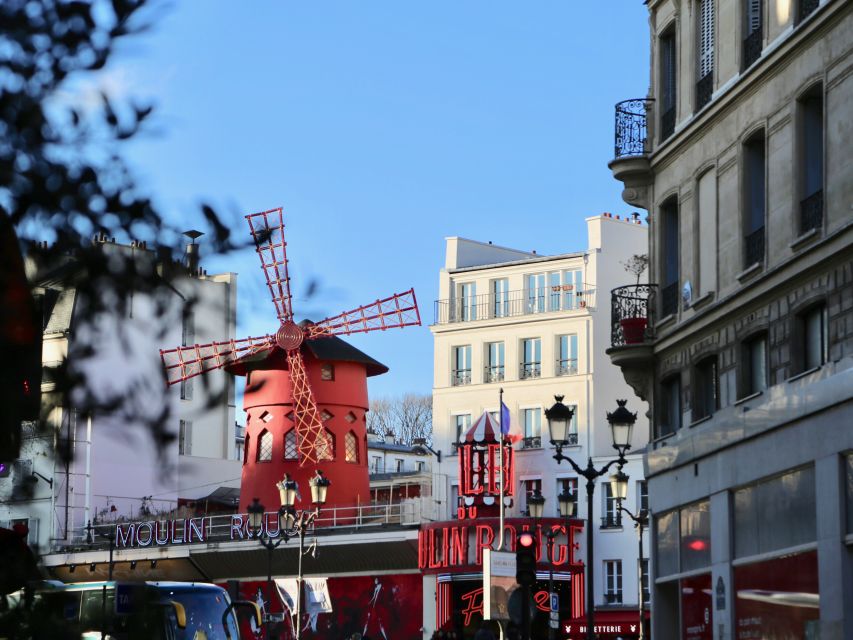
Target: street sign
x=555 y=602
x=555 y=616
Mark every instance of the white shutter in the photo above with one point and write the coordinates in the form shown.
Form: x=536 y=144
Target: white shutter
x=706 y=38
x=753 y=16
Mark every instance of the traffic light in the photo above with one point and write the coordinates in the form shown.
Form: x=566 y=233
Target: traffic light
x=525 y=559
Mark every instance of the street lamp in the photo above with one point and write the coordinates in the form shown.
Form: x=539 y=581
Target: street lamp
x=536 y=505
x=621 y=422
x=291 y=524
x=619 y=487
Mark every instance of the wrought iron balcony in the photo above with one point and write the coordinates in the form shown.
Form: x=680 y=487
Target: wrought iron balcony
x=494 y=374
x=754 y=247
x=631 y=127
x=532 y=442
x=489 y=306
x=568 y=367
x=460 y=377
x=704 y=90
x=528 y=370
x=631 y=313
x=811 y=212
x=752 y=48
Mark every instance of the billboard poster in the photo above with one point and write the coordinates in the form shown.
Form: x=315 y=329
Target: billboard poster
x=498 y=583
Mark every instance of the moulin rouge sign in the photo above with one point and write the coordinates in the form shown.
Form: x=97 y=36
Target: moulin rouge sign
x=445 y=547
x=159 y=533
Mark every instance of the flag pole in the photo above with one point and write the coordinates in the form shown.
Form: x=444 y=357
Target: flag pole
x=501 y=467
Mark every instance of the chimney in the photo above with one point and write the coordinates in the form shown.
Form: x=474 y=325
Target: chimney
x=192 y=252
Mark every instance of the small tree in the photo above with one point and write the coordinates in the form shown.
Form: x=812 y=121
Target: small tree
x=637 y=264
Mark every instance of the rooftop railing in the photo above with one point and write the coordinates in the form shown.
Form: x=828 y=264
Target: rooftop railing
x=489 y=306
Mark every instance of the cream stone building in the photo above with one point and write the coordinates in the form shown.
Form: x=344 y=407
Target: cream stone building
x=741 y=154
x=538 y=326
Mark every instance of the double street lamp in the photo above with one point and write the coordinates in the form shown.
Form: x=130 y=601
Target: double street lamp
x=619 y=489
x=621 y=422
x=291 y=524
x=536 y=507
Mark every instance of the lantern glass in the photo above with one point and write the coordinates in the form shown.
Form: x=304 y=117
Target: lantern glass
x=287 y=490
x=559 y=418
x=568 y=504
x=319 y=487
x=256 y=516
x=536 y=504
x=621 y=425
x=619 y=485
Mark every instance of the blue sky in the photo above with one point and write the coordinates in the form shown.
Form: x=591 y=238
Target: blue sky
x=381 y=128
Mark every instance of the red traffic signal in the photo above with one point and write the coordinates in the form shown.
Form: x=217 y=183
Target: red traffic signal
x=525 y=559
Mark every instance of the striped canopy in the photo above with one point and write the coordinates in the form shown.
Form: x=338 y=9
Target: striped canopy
x=485 y=429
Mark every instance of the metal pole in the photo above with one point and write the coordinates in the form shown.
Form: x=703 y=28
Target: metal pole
x=269 y=584
x=642 y=612
x=299 y=582
x=551 y=630
x=590 y=583
x=501 y=467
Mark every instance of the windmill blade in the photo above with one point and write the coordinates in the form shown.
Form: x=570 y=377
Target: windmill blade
x=267 y=229
x=187 y=362
x=400 y=310
x=312 y=440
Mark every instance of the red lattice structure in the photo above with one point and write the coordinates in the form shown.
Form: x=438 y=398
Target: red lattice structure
x=267 y=229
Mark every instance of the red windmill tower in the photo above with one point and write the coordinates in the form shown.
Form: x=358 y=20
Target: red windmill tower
x=306 y=389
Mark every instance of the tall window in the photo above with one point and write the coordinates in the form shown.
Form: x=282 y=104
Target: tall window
x=814 y=343
x=376 y=464
x=185 y=437
x=463 y=423
x=531 y=363
x=565 y=290
x=611 y=516
x=187 y=340
x=707 y=229
x=811 y=160
x=752 y=41
x=670 y=266
x=265 y=446
x=705 y=63
x=290 y=450
x=529 y=487
x=643 y=495
x=461 y=373
x=567 y=485
x=567 y=362
x=532 y=424
x=351 y=447
x=670 y=406
x=536 y=293
x=468 y=301
x=754 y=199
x=399 y=463
x=246 y=448
x=495 y=359
x=754 y=359
x=500 y=297
x=668 y=77
x=705 y=388
x=613 y=581
x=644 y=570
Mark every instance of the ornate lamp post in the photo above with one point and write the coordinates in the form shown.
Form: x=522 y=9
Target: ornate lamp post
x=291 y=524
x=568 y=506
x=621 y=422
x=619 y=489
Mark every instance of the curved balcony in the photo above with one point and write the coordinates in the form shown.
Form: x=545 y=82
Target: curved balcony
x=632 y=313
x=630 y=164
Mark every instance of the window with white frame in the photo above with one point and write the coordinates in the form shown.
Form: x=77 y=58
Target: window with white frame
x=567 y=360
x=535 y=287
x=463 y=423
x=814 y=345
x=567 y=291
x=529 y=486
x=611 y=517
x=495 y=362
x=531 y=354
x=613 y=581
x=500 y=297
x=461 y=373
x=376 y=464
x=467 y=301
x=399 y=465
x=532 y=424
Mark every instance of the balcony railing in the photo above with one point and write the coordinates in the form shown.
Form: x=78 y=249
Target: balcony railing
x=494 y=374
x=488 y=306
x=459 y=377
x=754 y=247
x=631 y=312
x=567 y=367
x=704 y=90
x=752 y=48
x=531 y=442
x=528 y=370
x=631 y=129
x=811 y=212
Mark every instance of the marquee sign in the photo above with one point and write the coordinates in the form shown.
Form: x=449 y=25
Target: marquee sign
x=456 y=546
x=161 y=533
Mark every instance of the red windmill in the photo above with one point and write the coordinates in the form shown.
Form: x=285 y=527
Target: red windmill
x=296 y=411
